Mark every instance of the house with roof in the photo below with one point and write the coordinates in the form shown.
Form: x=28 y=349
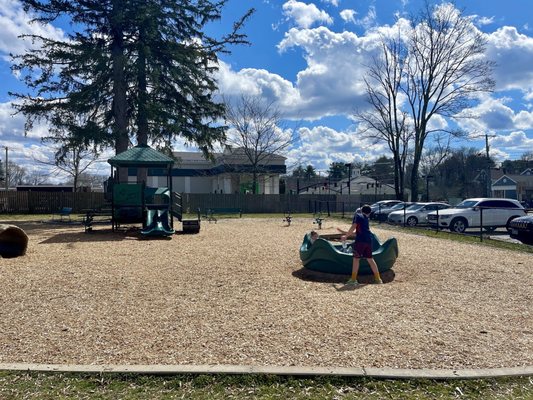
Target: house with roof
x=228 y=172
x=513 y=186
x=356 y=184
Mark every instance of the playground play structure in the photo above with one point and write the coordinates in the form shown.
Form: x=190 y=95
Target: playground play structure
x=135 y=203
x=132 y=203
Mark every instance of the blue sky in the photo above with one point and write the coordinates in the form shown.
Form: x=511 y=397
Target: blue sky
x=309 y=57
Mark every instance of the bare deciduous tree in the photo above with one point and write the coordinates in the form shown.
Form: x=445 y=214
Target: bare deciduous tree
x=256 y=129
x=436 y=154
x=16 y=174
x=386 y=122
x=436 y=67
x=36 y=178
x=446 y=69
x=73 y=159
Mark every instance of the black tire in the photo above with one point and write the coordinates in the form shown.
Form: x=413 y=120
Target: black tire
x=458 y=225
x=508 y=224
x=411 y=221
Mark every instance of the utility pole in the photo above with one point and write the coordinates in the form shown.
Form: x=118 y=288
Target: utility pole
x=489 y=181
x=349 y=177
x=428 y=177
x=7 y=180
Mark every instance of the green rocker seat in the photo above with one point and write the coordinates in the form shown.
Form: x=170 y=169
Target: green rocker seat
x=329 y=257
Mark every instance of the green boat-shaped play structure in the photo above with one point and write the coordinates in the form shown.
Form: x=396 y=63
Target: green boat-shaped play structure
x=326 y=256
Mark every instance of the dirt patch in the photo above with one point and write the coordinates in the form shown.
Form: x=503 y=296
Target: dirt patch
x=236 y=293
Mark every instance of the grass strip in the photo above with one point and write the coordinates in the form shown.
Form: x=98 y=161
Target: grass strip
x=43 y=386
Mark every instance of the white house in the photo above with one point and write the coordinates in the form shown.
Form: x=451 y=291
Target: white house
x=230 y=172
x=358 y=185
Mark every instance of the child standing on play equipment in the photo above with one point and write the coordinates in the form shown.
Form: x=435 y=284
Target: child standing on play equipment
x=362 y=247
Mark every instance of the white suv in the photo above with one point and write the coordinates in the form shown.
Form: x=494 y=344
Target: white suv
x=490 y=213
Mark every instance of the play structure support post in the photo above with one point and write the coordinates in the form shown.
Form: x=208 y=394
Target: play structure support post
x=169 y=185
x=143 y=203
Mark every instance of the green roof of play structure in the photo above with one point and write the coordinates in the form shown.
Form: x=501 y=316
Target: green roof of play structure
x=141 y=156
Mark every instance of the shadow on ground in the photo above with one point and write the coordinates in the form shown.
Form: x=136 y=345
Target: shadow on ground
x=315 y=276
x=100 y=235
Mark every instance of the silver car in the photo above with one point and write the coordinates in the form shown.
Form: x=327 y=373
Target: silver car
x=415 y=214
x=384 y=212
x=381 y=206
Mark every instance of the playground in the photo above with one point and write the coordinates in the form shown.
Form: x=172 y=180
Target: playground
x=236 y=293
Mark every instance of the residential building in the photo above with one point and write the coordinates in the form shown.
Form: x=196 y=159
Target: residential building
x=230 y=172
x=513 y=186
x=358 y=185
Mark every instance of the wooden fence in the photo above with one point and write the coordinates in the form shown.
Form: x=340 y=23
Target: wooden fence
x=50 y=202
x=13 y=202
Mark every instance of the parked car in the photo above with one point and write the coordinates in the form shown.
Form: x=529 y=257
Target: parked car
x=522 y=229
x=383 y=214
x=495 y=213
x=415 y=214
x=382 y=205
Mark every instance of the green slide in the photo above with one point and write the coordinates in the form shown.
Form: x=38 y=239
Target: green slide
x=157 y=223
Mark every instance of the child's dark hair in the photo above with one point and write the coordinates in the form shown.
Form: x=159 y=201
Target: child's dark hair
x=366 y=209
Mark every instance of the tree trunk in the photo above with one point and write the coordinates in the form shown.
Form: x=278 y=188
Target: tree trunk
x=414 y=176
x=142 y=117
x=397 y=176
x=120 y=112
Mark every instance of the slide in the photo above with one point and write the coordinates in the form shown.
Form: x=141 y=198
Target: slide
x=157 y=223
x=13 y=241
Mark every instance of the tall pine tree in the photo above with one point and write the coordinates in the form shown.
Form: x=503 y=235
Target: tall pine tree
x=135 y=69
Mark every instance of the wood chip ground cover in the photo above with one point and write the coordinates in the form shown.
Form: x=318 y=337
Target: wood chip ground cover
x=236 y=293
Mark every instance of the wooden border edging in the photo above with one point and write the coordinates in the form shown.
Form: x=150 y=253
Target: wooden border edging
x=380 y=373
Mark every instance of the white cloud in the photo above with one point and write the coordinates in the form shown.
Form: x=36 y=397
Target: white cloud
x=260 y=82
x=15 y=22
x=12 y=125
x=332 y=2
x=514 y=140
x=320 y=146
x=494 y=115
x=496 y=154
x=305 y=15
x=512 y=145
x=369 y=20
x=348 y=15
x=331 y=83
x=513 y=54
x=523 y=119
x=24 y=150
x=482 y=21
